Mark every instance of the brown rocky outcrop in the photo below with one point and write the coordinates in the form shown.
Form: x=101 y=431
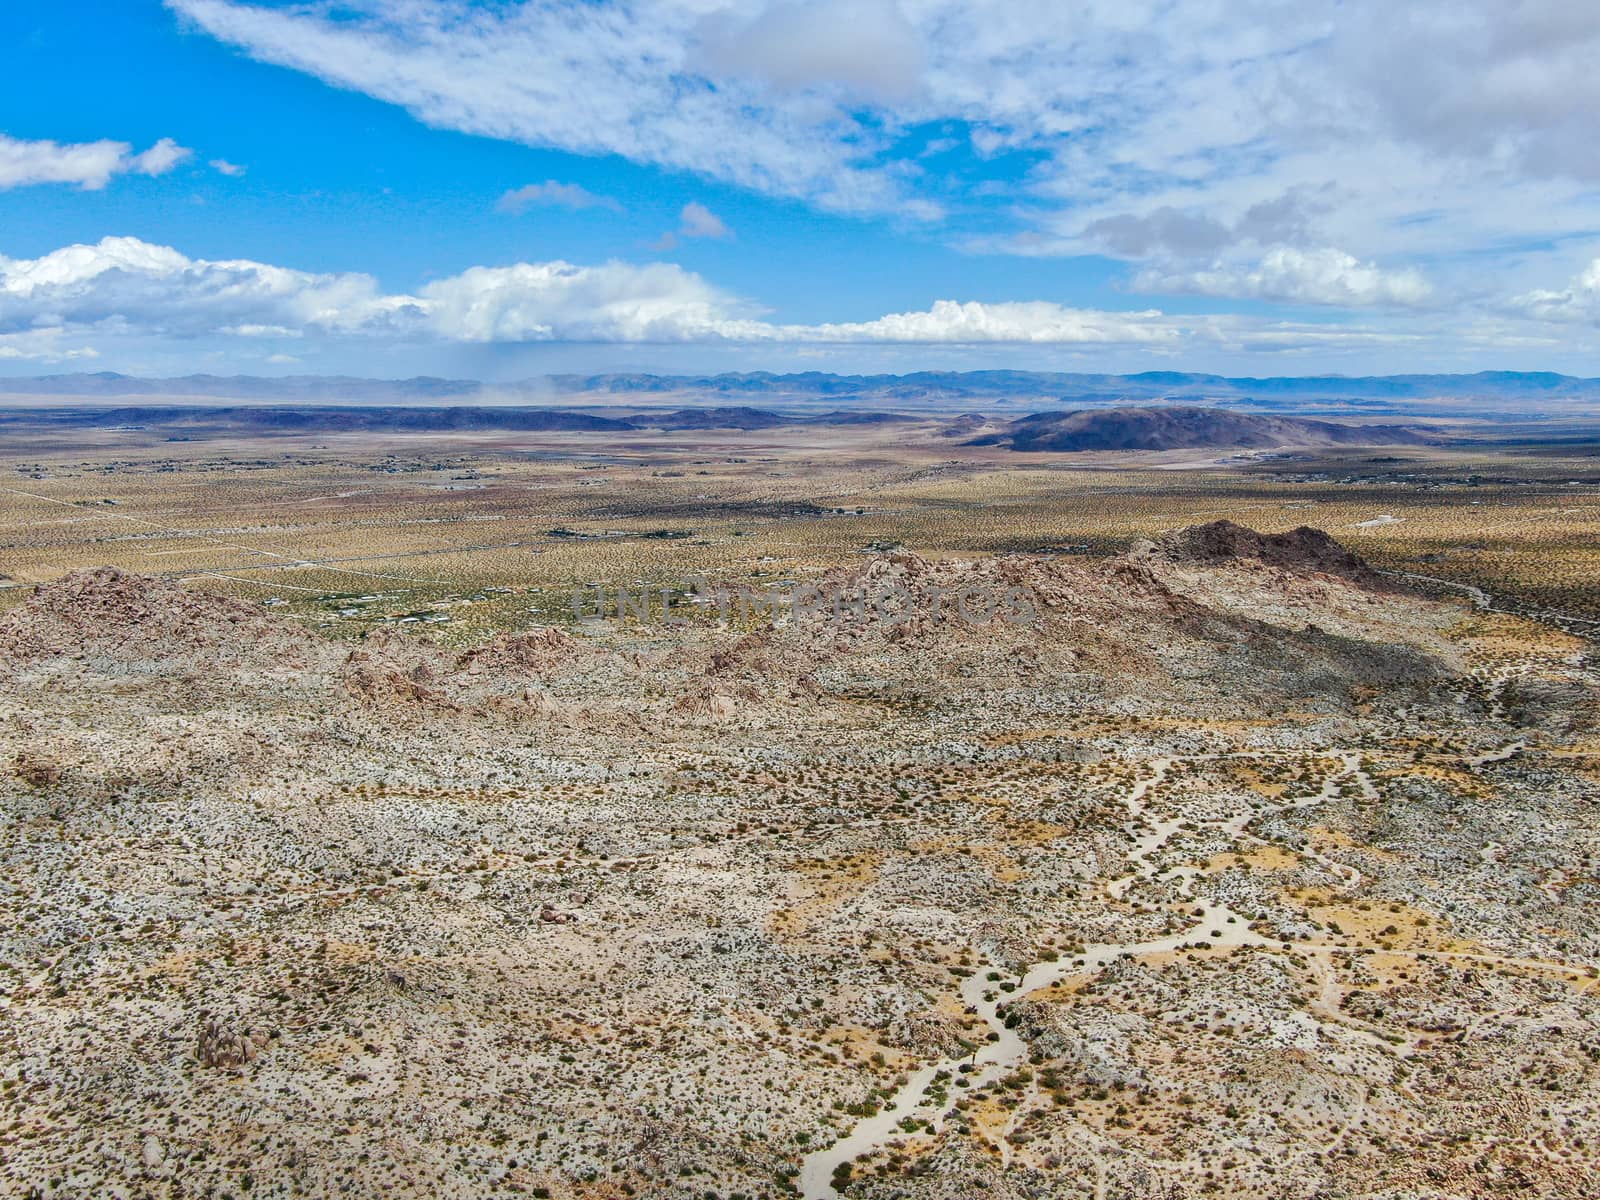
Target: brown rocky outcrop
x=1304 y=549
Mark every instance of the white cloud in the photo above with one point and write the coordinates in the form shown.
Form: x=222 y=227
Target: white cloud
x=1323 y=276
x=123 y=285
x=160 y=158
x=224 y=167
x=590 y=78
x=555 y=194
x=1022 y=323
x=90 y=165
x=43 y=346
x=557 y=301
x=127 y=291
x=1578 y=301
x=698 y=221
x=695 y=221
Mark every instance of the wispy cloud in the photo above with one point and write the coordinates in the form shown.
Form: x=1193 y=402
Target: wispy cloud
x=48 y=345
x=592 y=78
x=223 y=167
x=698 y=221
x=1229 y=147
x=695 y=221
x=90 y=165
x=553 y=194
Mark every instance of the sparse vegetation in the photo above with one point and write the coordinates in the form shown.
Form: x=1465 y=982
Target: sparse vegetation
x=1228 y=877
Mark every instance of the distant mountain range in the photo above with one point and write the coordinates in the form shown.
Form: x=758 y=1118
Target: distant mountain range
x=1185 y=429
x=1170 y=386
x=948 y=391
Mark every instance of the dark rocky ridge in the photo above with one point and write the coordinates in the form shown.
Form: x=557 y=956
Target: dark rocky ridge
x=1302 y=549
x=1185 y=429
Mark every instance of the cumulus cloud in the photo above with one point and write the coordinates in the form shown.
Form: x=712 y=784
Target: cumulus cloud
x=125 y=286
x=1578 y=301
x=1323 y=276
x=223 y=167
x=553 y=194
x=123 y=291
x=90 y=165
x=124 y=283
x=557 y=301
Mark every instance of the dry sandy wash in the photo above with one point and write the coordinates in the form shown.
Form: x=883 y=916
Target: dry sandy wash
x=1234 y=869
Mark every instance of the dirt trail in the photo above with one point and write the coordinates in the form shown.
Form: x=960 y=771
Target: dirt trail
x=1219 y=927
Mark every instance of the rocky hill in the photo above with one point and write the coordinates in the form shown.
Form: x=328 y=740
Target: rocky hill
x=1302 y=550
x=1015 y=876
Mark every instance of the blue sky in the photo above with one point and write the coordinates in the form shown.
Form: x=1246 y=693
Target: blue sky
x=501 y=189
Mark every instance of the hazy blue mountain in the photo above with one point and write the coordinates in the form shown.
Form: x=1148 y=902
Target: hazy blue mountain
x=948 y=391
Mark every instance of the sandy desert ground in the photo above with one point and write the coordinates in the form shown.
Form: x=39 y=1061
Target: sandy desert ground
x=339 y=859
